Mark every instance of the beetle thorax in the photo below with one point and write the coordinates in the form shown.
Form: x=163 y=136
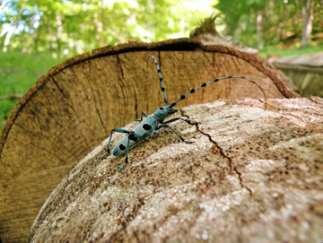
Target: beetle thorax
x=164 y=111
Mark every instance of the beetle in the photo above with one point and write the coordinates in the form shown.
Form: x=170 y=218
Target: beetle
x=150 y=124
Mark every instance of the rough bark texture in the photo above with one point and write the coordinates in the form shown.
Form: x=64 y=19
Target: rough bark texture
x=251 y=175
x=72 y=108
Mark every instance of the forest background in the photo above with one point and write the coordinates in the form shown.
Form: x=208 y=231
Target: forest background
x=37 y=34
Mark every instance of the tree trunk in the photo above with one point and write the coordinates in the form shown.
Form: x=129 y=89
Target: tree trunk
x=259 y=25
x=308 y=15
x=73 y=108
x=251 y=175
x=59 y=36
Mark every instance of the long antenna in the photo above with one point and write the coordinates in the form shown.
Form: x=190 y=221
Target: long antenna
x=205 y=84
x=161 y=80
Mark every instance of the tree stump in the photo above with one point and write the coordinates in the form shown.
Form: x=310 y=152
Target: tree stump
x=74 y=106
x=250 y=175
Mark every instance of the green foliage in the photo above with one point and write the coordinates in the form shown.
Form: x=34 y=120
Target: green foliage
x=239 y=13
x=5 y=107
x=66 y=27
x=271 y=22
x=17 y=73
x=295 y=51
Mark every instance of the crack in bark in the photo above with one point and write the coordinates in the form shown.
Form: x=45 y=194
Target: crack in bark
x=122 y=72
x=136 y=104
x=75 y=118
x=121 y=78
x=120 y=66
x=232 y=168
x=98 y=113
x=239 y=174
x=60 y=89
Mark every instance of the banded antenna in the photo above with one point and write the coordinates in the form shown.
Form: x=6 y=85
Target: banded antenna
x=205 y=84
x=161 y=80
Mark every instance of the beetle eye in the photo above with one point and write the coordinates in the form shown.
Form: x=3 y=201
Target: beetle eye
x=146 y=127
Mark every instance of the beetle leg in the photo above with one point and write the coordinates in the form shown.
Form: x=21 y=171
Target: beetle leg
x=118 y=130
x=121 y=167
x=143 y=115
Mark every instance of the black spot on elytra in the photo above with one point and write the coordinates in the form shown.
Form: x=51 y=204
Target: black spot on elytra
x=133 y=137
x=122 y=147
x=162 y=108
x=192 y=91
x=162 y=89
x=182 y=97
x=203 y=85
x=215 y=80
x=146 y=127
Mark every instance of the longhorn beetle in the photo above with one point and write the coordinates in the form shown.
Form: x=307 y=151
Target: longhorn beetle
x=149 y=124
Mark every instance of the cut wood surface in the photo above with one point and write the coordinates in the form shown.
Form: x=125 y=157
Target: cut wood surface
x=250 y=175
x=74 y=106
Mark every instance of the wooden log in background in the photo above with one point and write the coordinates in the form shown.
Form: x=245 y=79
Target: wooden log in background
x=305 y=71
x=73 y=107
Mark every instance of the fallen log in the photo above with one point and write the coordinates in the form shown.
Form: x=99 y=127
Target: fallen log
x=73 y=107
x=251 y=175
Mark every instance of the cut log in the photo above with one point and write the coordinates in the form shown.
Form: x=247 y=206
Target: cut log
x=73 y=107
x=250 y=175
x=305 y=71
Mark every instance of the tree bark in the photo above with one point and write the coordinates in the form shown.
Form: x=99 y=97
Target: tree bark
x=73 y=108
x=251 y=175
